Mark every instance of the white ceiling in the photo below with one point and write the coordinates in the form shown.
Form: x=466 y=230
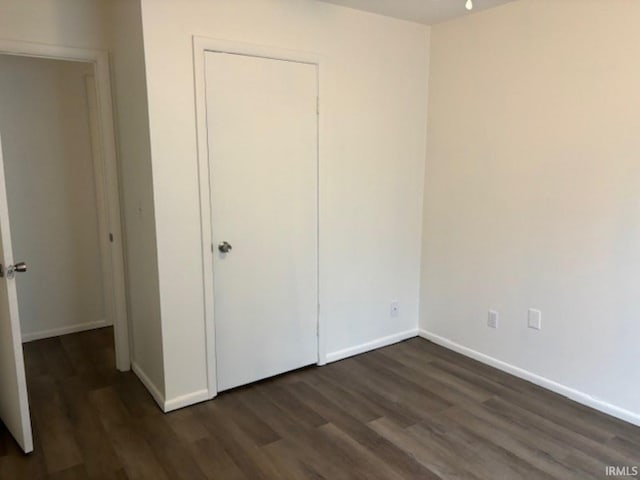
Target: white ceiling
x=428 y=12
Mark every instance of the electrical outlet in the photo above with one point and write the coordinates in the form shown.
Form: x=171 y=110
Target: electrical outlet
x=493 y=319
x=395 y=309
x=535 y=319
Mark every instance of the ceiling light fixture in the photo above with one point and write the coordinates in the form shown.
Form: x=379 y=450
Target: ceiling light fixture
x=469 y=5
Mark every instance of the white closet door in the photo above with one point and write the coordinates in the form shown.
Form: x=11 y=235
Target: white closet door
x=263 y=159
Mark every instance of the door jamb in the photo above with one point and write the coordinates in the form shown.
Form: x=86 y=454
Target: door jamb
x=201 y=45
x=116 y=309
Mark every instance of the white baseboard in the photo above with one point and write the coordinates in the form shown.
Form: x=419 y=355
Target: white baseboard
x=158 y=396
x=576 y=395
x=146 y=381
x=186 y=400
x=365 y=347
x=56 y=332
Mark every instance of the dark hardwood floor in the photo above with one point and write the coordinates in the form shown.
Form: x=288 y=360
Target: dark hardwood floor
x=412 y=410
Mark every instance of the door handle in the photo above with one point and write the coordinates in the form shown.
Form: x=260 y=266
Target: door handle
x=224 y=247
x=12 y=269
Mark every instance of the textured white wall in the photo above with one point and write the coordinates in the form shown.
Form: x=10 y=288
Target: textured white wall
x=372 y=163
x=531 y=196
x=51 y=193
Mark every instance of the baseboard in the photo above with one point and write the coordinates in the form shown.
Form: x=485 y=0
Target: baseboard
x=146 y=381
x=575 y=395
x=56 y=332
x=186 y=400
x=365 y=347
x=174 y=403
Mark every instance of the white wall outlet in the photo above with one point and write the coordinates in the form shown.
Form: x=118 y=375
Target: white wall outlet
x=535 y=319
x=493 y=319
x=395 y=309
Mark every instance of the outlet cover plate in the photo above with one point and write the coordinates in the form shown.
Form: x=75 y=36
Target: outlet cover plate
x=494 y=319
x=535 y=319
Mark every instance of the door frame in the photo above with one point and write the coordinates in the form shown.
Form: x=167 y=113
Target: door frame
x=107 y=180
x=202 y=45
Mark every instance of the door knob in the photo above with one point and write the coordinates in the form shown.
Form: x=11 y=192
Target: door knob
x=12 y=269
x=19 y=267
x=224 y=247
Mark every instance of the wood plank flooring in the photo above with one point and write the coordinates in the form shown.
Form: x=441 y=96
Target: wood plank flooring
x=412 y=410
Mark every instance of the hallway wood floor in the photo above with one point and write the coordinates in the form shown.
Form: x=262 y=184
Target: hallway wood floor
x=412 y=410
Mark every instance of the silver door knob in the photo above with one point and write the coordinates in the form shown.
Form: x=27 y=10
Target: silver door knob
x=224 y=247
x=20 y=267
x=12 y=269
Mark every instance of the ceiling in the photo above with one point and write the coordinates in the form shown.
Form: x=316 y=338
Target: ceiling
x=428 y=12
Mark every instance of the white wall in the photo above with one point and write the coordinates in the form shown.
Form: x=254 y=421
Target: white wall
x=374 y=109
x=44 y=122
x=531 y=196
x=71 y=23
x=131 y=112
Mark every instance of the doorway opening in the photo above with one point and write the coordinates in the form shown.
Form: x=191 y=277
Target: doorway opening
x=61 y=182
x=59 y=208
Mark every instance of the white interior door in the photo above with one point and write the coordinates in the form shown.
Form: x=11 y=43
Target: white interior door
x=14 y=404
x=263 y=151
